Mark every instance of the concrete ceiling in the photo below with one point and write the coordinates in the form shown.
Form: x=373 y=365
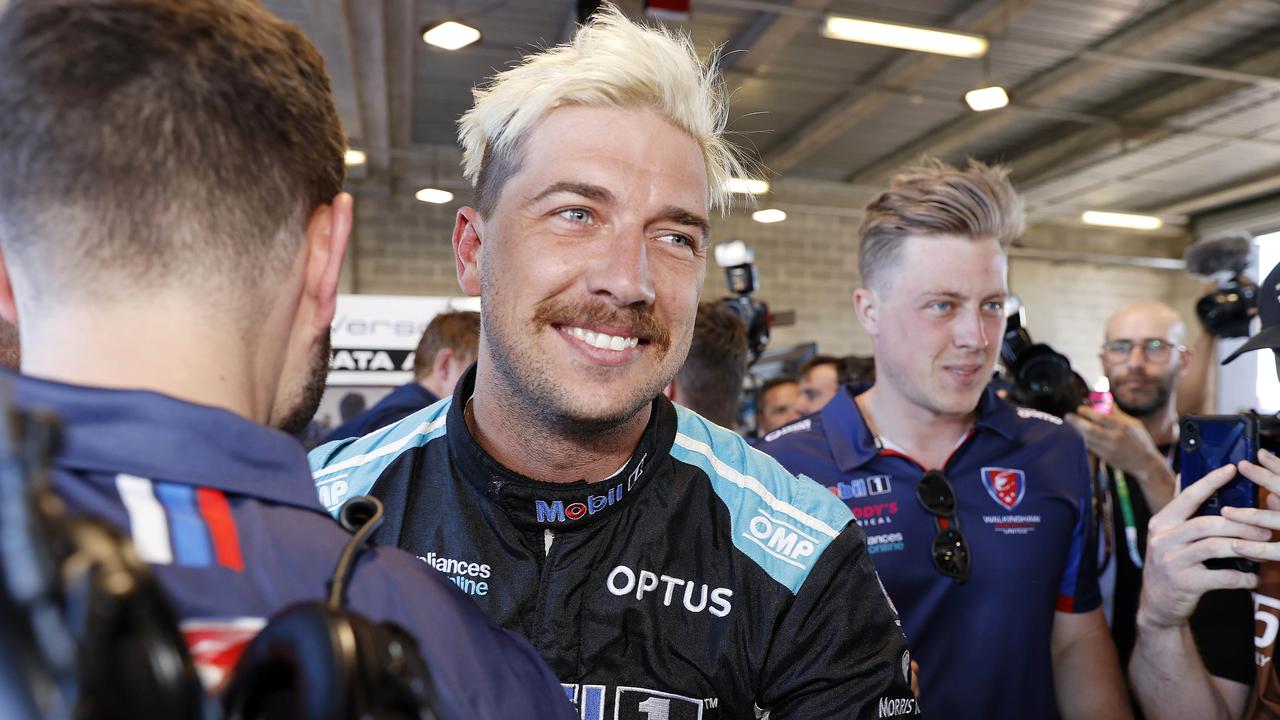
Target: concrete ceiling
x=1163 y=106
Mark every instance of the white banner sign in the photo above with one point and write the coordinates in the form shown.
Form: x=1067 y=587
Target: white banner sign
x=374 y=336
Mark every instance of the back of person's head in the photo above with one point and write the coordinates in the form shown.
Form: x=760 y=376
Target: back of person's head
x=936 y=199
x=457 y=331
x=149 y=145
x=710 y=382
x=611 y=62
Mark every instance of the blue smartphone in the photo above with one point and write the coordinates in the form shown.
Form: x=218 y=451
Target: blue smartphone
x=1208 y=442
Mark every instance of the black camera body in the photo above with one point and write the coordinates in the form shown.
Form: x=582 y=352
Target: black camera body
x=1041 y=378
x=1227 y=311
x=743 y=280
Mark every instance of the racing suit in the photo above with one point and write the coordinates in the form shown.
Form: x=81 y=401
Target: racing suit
x=700 y=581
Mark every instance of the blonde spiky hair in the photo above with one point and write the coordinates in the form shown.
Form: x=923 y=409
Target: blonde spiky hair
x=611 y=61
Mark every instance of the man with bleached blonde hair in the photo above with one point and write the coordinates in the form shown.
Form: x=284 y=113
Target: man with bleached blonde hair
x=662 y=567
x=978 y=514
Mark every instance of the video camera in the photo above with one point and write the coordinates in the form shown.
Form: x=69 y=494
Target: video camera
x=738 y=262
x=1227 y=311
x=1040 y=377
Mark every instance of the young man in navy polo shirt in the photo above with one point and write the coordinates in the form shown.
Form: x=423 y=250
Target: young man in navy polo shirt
x=977 y=514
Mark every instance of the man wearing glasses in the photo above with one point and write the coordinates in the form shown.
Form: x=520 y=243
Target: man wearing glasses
x=977 y=513
x=1134 y=452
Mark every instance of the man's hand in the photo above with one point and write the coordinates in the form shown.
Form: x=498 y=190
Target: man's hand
x=1174 y=576
x=1122 y=441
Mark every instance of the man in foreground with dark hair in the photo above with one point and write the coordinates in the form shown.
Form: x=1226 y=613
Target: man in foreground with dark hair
x=172 y=225
x=445 y=350
x=978 y=514
x=710 y=381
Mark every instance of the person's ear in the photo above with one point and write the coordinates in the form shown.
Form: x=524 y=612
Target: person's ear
x=328 y=230
x=440 y=365
x=8 y=304
x=467 y=231
x=866 y=305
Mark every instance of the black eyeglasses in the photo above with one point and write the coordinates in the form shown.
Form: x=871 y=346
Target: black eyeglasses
x=950 y=549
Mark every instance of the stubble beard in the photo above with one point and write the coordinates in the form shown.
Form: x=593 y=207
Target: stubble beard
x=304 y=407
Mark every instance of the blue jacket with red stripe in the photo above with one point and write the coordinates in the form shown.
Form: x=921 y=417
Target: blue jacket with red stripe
x=225 y=513
x=1021 y=481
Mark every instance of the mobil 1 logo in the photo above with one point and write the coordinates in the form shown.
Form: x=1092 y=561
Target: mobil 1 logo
x=641 y=704
x=633 y=703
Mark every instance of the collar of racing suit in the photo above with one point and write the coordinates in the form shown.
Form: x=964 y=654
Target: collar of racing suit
x=533 y=504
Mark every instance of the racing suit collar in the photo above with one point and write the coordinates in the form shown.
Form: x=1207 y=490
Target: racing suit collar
x=852 y=443
x=533 y=504
x=152 y=435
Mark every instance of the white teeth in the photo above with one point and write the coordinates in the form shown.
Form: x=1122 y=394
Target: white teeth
x=603 y=341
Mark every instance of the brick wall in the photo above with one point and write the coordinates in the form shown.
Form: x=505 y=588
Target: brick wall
x=808 y=264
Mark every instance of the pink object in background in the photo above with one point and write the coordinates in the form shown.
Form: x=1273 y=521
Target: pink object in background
x=1101 y=401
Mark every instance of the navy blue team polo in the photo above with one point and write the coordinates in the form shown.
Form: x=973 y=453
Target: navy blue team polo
x=1022 y=489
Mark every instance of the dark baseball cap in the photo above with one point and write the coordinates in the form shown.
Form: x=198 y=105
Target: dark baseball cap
x=1269 y=312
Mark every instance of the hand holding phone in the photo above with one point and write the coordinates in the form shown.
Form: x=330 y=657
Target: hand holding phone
x=1208 y=442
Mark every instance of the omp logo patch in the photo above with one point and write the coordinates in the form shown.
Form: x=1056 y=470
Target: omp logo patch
x=780 y=539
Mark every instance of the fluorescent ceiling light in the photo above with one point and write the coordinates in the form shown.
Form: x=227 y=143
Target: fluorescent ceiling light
x=434 y=196
x=771 y=215
x=354 y=157
x=747 y=186
x=987 y=98
x=451 y=35
x=905 y=37
x=1122 y=220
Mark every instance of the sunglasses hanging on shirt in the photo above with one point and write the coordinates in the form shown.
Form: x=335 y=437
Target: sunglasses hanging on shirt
x=950 y=549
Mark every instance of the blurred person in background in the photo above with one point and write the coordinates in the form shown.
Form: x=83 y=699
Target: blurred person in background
x=777 y=404
x=1134 y=451
x=819 y=380
x=822 y=375
x=978 y=514
x=445 y=350
x=172 y=230
x=710 y=381
x=1169 y=671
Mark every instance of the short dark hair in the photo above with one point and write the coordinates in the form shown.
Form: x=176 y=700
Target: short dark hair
x=774 y=382
x=160 y=142
x=710 y=382
x=458 y=330
x=817 y=360
x=766 y=386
